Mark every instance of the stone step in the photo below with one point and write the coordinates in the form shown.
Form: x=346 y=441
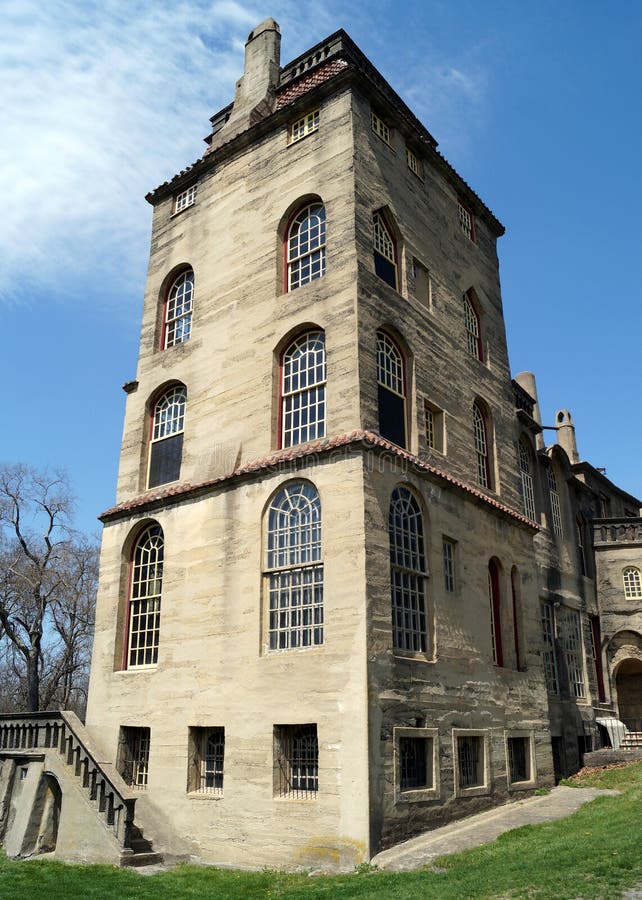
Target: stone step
x=130 y=860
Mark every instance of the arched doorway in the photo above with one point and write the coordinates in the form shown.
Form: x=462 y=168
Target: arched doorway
x=628 y=683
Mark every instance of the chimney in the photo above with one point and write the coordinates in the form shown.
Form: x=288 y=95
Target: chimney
x=254 y=94
x=566 y=434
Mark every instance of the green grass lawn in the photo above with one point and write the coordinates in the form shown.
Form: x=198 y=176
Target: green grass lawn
x=595 y=853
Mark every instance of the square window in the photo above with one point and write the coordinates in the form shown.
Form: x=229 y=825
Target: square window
x=380 y=128
x=296 y=762
x=416 y=763
x=304 y=126
x=133 y=756
x=184 y=199
x=466 y=221
x=472 y=775
x=448 y=553
x=413 y=163
x=207 y=756
x=434 y=419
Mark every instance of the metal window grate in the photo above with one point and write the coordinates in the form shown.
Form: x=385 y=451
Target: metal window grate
x=470 y=752
x=296 y=761
x=134 y=756
x=212 y=755
x=415 y=761
x=519 y=759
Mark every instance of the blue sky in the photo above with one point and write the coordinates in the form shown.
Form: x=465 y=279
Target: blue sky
x=536 y=104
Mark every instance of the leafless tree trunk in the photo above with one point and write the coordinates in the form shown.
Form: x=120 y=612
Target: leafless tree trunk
x=48 y=577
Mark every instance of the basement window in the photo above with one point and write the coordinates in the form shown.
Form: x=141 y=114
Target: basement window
x=472 y=776
x=133 y=756
x=416 y=763
x=207 y=755
x=296 y=762
x=521 y=769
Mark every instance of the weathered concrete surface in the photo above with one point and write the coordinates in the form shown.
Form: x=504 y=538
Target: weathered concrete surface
x=485 y=827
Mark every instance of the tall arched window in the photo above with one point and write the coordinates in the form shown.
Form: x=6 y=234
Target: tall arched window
x=303 y=378
x=143 y=625
x=391 y=385
x=632 y=583
x=554 y=498
x=482 y=450
x=177 y=325
x=385 y=251
x=407 y=573
x=494 y=596
x=294 y=568
x=166 y=439
x=517 y=616
x=473 y=328
x=305 y=246
x=526 y=473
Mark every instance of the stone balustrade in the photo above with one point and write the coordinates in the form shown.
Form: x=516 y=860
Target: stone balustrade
x=34 y=734
x=623 y=530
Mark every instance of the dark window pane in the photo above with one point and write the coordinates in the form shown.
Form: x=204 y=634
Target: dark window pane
x=385 y=269
x=392 y=417
x=165 y=460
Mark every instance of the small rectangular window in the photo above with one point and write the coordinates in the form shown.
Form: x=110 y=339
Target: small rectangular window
x=207 y=755
x=304 y=126
x=466 y=222
x=519 y=759
x=434 y=419
x=413 y=163
x=415 y=759
x=448 y=551
x=133 y=756
x=296 y=761
x=470 y=761
x=380 y=128
x=184 y=199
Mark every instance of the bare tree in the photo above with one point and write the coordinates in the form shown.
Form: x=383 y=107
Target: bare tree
x=48 y=577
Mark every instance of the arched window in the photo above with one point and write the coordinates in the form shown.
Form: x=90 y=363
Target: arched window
x=407 y=573
x=632 y=583
x=166 y=439
x=556 y=508
x=517 y=616
x=580 y=535
x=177 y=326
x=473 y=328
x=143 y=625
x=494 y=596
x=525 y=470
x=385 y=251
x=305 y=246
x=391 y=385
x=482 y=451
x=294 y=568
x=303 y=379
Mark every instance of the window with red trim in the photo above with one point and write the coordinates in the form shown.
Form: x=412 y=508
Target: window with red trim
x=391 y=386
x=494 y=596
x=303 y=379
x=177 y=320
x=166 y=438
x=305 y=246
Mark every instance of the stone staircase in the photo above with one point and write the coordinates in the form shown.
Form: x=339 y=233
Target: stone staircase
x=59 y=739
x=632 y=740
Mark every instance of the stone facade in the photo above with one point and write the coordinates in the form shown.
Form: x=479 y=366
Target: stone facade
x=314 y=640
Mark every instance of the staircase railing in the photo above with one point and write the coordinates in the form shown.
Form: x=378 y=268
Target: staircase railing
x=28 y=734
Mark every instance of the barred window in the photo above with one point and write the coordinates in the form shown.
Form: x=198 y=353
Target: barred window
x=145 y=598
x=466 y=221
x=632 y=583
x=133 y=756
x=166 y=444
x=178 y=310
x=470 y=761
x=306 y=246
x=554 y=497
x=296 y=761
x=303 y=382
x=519 y=759
x=415 y=761
x=304 y=126
x=185 y=198
x=407 y=573
x=570 y=634
x=385 y=251
x=525 y=470
x=448 y=553
x=294 y=571
x=549 y=658
x=380 y=128
x=391 y=390
x=480 y=440
x=473 y=328
x=207 y=757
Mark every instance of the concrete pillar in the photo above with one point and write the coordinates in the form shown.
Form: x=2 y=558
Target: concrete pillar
x=526 y=380
x=566 y=434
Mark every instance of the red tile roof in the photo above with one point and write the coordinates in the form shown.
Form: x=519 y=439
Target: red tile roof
x=293 y=91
